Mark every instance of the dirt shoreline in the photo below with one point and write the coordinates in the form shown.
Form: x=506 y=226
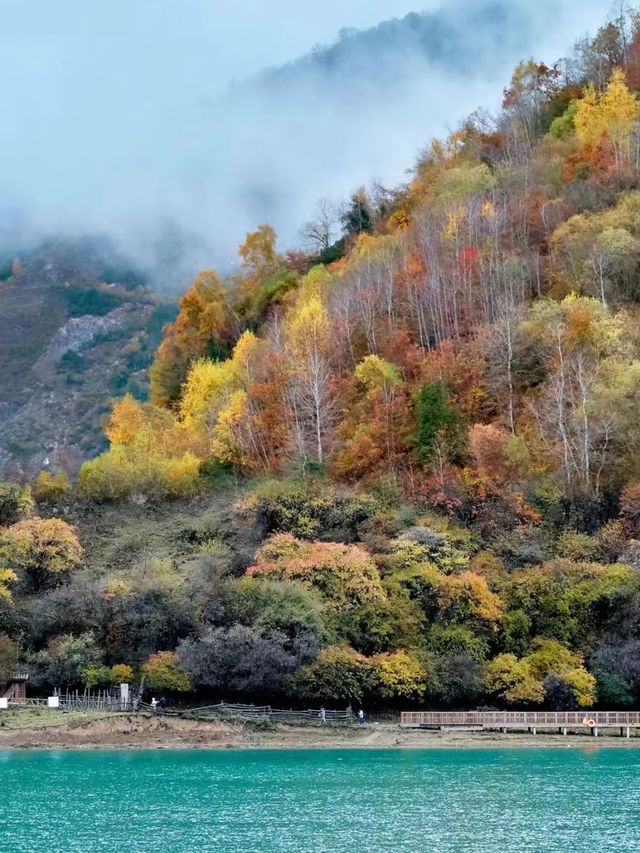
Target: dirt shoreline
x=142 y=731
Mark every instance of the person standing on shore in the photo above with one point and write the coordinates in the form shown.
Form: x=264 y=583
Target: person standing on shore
x=323 y=714
x=361 y=720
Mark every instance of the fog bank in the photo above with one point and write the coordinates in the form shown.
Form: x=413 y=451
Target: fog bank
x=133 y=120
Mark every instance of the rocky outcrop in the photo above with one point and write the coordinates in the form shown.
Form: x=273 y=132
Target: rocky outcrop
x=81 y=333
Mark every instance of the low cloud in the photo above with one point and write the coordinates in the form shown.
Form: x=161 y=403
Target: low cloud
x=128 y=119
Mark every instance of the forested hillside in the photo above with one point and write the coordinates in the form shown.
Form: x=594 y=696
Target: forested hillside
x=400 y=465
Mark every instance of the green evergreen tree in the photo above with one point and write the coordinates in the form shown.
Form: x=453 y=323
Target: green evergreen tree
x=358 y=217
x=437 y=421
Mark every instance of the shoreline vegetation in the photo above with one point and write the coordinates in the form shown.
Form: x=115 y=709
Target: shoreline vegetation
x=27 y=730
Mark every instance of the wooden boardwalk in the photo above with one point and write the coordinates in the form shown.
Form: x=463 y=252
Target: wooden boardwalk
x=591 y=721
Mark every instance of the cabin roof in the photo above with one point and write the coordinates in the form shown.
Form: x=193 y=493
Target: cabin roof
x=20 y=675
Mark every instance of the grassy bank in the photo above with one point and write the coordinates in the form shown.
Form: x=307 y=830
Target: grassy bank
x=94 y=730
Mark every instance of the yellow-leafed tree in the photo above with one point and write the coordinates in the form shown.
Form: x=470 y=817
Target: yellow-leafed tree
x=309 y=343
x=126 y=421
x=615 y=113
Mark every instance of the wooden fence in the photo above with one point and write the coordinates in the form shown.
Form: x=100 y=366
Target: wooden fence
x=102 y=700
x=29 y=702
x=259 y=712
x=112 y=701
x=520 y=719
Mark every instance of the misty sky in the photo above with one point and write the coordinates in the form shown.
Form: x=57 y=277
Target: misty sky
x=112 y=118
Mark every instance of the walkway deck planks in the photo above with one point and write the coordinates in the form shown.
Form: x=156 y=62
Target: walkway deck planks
x=592 y=721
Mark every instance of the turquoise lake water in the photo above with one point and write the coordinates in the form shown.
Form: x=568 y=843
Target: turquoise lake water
x=441 y=801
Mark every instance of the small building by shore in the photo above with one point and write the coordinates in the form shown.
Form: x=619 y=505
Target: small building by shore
x=15 y=689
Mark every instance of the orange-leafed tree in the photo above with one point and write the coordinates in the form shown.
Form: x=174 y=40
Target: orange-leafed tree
x=259 y=259
x=345 y=575
x=205 y=326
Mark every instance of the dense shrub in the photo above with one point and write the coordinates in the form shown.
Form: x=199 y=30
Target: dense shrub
x=244 y=661
x=550 y=673
x=8 y=658
x=136 y=470
x=66 y=660
x=345 y=575
x=15 y=502
x=339 y=674
x=51 y=488
x=93 y=301
x=309 y=510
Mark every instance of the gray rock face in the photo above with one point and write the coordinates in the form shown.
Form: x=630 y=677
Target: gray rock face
x=80 y=333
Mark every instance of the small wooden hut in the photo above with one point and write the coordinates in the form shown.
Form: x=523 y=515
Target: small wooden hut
x=15 y=690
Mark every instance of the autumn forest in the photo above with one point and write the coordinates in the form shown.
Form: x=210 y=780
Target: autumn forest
x=404 y=459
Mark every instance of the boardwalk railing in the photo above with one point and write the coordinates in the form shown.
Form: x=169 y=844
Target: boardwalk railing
x=520 y=719
x=260 y=712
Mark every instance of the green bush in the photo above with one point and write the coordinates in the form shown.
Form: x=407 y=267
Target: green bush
x=457 y=640
x=66 y=659
x=87 y=300
x=339 y=674
x=71 y=362
x=15 y=502
x=51 y=488
x=310 y=510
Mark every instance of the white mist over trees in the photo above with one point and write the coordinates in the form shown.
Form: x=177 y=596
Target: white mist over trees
x=129 y=120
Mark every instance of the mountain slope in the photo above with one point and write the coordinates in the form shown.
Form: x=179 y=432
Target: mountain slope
x=70 y=341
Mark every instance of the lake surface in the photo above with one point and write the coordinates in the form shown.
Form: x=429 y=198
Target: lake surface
x=440 y=801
